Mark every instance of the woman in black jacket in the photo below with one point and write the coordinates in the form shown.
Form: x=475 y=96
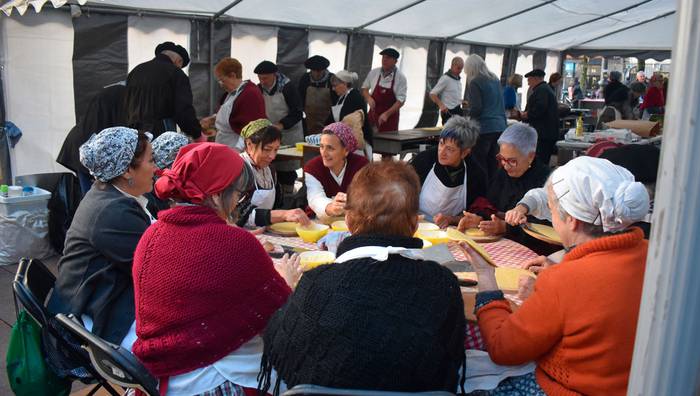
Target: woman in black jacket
x=94 y=274
x=348 y=101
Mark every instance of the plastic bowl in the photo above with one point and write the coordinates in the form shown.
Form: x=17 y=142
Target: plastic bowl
x=312 y=259
x=312 y=233
x=425 y=226
x=339 y=225
x=434 y=237
x=300 y=146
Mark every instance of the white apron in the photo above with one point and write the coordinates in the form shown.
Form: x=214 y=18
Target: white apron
x=263 y=199
x=436 y=198
x=276 y=109
x=337 y=108
x=379 y=253
x=224 y=133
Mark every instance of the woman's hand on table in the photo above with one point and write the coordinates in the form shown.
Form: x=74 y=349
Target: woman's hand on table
x=297 y=216
x=337 y=206
x=470 y=220
x=444 y=221
x=485 y=272
x=526 y=285
x=494 y=227
x=517 y=215
x=289 y=268
x=538 y=264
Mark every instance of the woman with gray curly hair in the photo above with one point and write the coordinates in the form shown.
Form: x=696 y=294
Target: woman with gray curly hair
x=450 y=179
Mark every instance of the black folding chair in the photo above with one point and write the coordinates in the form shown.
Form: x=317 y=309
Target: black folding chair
x=32 y=286
x=315 y=390
x=113 y=362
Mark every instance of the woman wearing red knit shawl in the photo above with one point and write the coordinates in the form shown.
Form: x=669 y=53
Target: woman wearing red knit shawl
x=204 y=289
x=580 y=322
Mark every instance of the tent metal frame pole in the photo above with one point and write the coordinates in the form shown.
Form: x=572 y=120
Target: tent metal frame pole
x=627 y=28
x=141 y=12
x=225 y=9
x=212 y=87
x=501 y=19
x=585 y=22
x=392 y=13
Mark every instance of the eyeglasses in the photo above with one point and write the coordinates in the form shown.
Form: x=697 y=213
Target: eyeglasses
x=511 y=162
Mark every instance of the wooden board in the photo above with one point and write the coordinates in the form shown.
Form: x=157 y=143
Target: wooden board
x=286 y=228
x=508 y=279
x=455 y=235
x=543 y=233
x=479 y=236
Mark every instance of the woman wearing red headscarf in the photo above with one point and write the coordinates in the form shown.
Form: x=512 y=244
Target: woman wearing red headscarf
x=204 y=289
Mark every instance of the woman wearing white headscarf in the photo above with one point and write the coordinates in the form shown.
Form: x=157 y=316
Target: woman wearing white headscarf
x=580 y=322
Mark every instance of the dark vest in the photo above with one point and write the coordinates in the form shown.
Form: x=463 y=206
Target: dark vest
x=316 y=169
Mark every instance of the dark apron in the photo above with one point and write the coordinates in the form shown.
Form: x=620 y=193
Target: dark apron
x=384 y=98
x=317 y=108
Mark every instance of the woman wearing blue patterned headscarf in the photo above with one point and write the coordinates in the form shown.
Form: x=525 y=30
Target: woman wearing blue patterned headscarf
x=94 y=274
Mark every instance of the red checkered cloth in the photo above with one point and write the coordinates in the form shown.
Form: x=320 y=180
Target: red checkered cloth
x=505 y=253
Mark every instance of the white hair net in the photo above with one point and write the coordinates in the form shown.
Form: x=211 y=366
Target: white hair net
x=522 y=136
x=596 y=191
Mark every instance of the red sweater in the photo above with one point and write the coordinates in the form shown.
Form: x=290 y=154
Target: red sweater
x=249 y=106
x=654 y=97
x=579 y=324
x=316 y=169
x=202 y=289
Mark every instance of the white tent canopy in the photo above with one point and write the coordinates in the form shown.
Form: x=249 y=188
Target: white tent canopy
x=540 y=24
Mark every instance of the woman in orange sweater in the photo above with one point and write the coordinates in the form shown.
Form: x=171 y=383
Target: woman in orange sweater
x=580 y=322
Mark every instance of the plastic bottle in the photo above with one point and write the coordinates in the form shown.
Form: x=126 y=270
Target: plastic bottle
x=579 y=126
x=4 y=190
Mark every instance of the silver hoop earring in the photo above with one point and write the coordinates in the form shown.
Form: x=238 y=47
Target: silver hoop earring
x=130 y=182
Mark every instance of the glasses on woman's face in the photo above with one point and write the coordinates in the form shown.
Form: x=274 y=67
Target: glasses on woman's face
x=511 y=162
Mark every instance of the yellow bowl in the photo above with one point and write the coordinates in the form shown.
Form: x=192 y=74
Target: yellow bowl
x=312 y=233
x=339 y=225
x=425 y=226
x=300 y=146
x=434 y=236
x=312 y=259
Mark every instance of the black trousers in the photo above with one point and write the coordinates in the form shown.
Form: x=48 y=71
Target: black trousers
x=485 y=151
x=545 y=149
x=457 y=110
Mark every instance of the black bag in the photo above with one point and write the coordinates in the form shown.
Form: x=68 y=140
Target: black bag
x=64 y=201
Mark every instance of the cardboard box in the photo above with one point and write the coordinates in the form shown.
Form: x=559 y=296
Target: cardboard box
x=641 y=128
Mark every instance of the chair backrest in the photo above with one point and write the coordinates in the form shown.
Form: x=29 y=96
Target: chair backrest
x=303 y=390
x=114 y=363
x=32 y=285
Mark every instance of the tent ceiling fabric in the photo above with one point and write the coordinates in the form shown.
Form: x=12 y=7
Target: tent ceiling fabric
x=439 y=19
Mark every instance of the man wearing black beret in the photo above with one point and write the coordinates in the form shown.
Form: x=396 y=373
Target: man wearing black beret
x=384 y=91
x=316 y=94
x=159 y=95
x=284 y=110
x=542 y=112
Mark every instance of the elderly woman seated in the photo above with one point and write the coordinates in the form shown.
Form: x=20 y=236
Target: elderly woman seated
x=94 y=274
x=579 y=323
x=520 y=172
x=259 y=205
x=204 y=289
x=165 y=149
x=328 y=176
x=380 y=317
x=451 y=180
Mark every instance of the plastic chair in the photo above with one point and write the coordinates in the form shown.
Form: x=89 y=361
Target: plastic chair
x=303 y=390
x=32 y=286
x=113 y=362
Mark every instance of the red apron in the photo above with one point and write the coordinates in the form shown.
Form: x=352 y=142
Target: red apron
x=384 y=98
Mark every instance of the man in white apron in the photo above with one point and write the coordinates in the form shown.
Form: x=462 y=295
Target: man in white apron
x=284 y=109
x=316 y=94
x=451 y=180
